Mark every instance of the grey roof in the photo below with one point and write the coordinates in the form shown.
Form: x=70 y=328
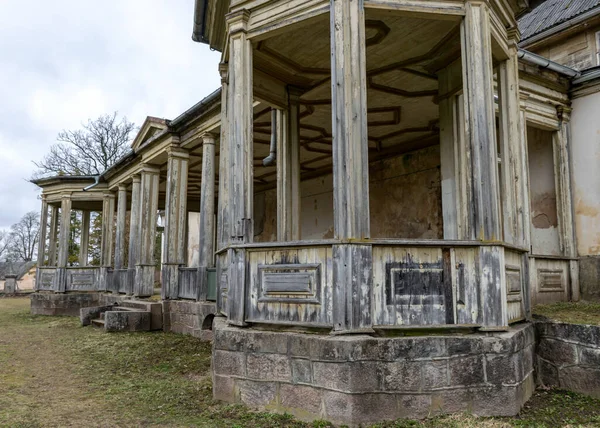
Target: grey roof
x=17 y=268
x=550 y=13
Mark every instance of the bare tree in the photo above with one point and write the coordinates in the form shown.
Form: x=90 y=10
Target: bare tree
x=4 y=243
x=24 y=237
x=90 y=150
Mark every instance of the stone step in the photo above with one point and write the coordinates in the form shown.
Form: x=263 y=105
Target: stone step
x=118 y=320
x=98 y=323
x=127 y=309
x=155 y=308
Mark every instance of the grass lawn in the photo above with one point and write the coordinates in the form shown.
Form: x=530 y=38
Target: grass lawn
x=571 y=312
x=55 y=373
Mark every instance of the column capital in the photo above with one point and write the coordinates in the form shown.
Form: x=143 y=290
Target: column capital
x=147 y=168
x=122 y=187
x=136 y=178
x=237 y=22
x=177 y=152
x=108 y=195
x=208 y=137
x=223 y=71
x=564 y=113
x=294 y=94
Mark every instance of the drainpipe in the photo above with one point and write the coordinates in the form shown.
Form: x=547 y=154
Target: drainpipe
x=270 y=160
x=91 y=186
x=546 y=63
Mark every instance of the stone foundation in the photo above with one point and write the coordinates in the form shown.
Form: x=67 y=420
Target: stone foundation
x=67 y=304
x=568 y=357
x=363 y=379
x=189 y=317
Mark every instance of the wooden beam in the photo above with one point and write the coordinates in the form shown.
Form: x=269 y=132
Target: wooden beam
x=352 y=264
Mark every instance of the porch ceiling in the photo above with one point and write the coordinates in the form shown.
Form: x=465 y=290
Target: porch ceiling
x=403 y=55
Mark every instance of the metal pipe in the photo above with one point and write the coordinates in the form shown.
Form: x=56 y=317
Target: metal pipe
x=546 y=63
x=91 y=186
x=270 y=160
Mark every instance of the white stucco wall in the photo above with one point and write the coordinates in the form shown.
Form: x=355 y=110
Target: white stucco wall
x=585 y=153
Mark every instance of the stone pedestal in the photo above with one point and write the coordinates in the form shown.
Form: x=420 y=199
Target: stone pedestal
x=10 y=284
x=361 y=379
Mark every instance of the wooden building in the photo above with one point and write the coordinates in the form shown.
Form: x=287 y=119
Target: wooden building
x=367 y=167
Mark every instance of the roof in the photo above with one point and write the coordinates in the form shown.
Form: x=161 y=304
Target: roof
x=15 y=268
x=547 y=14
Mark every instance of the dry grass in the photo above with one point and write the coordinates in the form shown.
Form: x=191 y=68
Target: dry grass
x=55 y=373
x=571 y=312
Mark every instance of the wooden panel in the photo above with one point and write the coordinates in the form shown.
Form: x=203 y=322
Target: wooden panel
x=410 y=286
x=46 y=279
x=121 y=276
x=465 y=265
x=188 y=283
x=290 y=286
x=515 y=283
x=84 y=279
x=551 y=279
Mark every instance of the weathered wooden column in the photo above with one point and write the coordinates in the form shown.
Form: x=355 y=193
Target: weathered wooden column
x=53 y=235
x=352 y=263
x=207 y=214
x=484 y=187
x=175 y=221
x=60 y=278
x=564 y=197
x=106 y=243
x=85 y=238
x=288 y=169
x=223 y=227
x=146 y=222
x=451 y=155
x=41 y=252
x=121 y=229
x=134 y=215
x=240 y=168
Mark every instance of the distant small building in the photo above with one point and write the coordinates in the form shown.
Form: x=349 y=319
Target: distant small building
x=25 y=272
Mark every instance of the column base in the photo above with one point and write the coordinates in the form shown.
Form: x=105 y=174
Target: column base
x=170 y=281
x=144 y=281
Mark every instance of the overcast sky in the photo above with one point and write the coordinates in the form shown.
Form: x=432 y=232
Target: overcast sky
x=65 y=61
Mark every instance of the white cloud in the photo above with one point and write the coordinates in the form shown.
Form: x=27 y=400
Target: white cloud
x=66 y=61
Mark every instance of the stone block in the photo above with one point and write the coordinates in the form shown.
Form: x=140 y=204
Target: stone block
x=557 y=351
x=298 y=399
x=496 y=401
x=584 y=380
x=301 y=371
x=547 y=373
x=503 y=369
x=262 y=395
x=466 y=371
x=86 y=315
x=589 y=356
x=401 y=375
x=344 y=408
x=434 y=374
x=414 y=406
x=462 y=345
x=229 y=340
x=272 y=343
x=127 y=321
x=271 y=367
x=457 y=400
x=228 y=363
x=223 y=388
x=356 y=377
